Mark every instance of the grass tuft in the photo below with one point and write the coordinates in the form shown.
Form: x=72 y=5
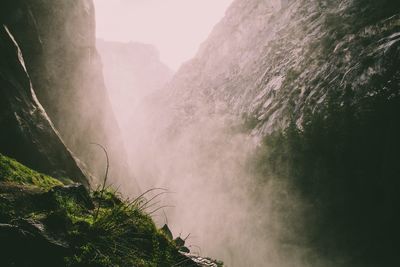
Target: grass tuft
x=101 y=228
x=15 y=172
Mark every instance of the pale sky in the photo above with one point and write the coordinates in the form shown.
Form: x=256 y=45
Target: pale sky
x=175 y=27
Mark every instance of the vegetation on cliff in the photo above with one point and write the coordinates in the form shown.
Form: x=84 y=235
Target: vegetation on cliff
x=343 y=163
x=45 y=222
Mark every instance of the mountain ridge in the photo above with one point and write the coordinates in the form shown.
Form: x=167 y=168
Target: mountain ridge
x=291 y=60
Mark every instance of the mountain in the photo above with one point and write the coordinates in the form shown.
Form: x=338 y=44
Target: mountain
x=285 y=123
x=277 y=145
x=26 y=132
x=56 y=224
x=269 y=62
x=57 y=42
x=54 y=107
x=132 y=71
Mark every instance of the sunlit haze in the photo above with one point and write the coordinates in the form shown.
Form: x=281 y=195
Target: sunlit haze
x=175 y=27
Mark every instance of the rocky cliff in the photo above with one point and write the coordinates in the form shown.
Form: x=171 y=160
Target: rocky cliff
x=26 y=131
x=315 y=85
x=57 y=40
x=269 y=62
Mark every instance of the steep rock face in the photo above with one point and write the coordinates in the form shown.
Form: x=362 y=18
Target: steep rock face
x=132 y=71
x=26 y=132
x=270 y=63
x=319 y=82
x=58 y=41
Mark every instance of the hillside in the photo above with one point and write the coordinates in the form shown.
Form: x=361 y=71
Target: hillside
x=265 y=63
x=285 y=122
x=276 y=145
x=45 y=222
x=58 y=47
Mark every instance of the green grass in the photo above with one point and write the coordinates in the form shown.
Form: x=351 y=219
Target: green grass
x=120 y=234
x=15 y=172
x=110 y=231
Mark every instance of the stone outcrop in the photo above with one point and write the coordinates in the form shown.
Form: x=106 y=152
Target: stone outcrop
x=57 y=40
x=270 y=62
x=318 y=82
x=26 y=133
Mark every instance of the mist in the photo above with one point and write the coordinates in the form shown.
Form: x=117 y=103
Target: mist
x=214 y=196
x=261 y=133
x=176 y=27
x=203 y=157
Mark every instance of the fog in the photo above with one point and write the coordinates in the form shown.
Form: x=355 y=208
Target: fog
x=215 y=197
x=201 y=158
x=175 y=27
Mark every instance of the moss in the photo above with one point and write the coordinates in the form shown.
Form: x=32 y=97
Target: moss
x=14 y=172
x=119 y=235
x=109 y=232
x=73 y=210
x=343 y=164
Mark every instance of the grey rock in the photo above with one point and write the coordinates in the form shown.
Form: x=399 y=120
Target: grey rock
x=57 y=39
x=28 y=244
x=27 y=133
x=272 y=64
x=201 y=261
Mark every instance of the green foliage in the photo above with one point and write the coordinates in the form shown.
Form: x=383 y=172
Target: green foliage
x=375 y=10
x=249 y=122
x=291 y=76
x=343 y=160
x=12 y=171
x=108 y=231
x=121 y=235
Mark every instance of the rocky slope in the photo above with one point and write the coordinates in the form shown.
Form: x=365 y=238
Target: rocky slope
x=47 y=223
x=47 y=48
x=57 y=40
x=315 y=85
x=268 y=62
x=26 y=131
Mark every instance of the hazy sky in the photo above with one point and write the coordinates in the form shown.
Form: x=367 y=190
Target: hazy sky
x=175 y=27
